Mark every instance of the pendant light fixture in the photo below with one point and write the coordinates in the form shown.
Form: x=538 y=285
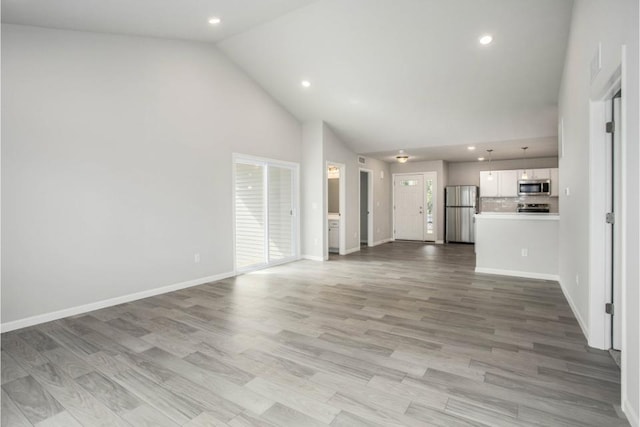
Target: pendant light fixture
x=524 y=163
x=490 y=178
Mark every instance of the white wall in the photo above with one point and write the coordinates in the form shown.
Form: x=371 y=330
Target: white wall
x=116 y=163
x=613 y=24
x=336 y=151
x=321 y=145
x=312 y=206
x=438 y=166
x=468 y=173
x=501 y=238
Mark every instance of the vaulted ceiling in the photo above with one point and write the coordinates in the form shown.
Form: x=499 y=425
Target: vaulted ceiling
x=384 y=74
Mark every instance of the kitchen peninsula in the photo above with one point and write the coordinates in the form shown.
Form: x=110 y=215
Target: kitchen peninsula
x=517 y=244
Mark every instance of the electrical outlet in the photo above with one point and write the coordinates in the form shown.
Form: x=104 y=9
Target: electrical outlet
x=577 y=280
x=567 y=192
x=196 y=258
x=525 y=252
x=315 y=242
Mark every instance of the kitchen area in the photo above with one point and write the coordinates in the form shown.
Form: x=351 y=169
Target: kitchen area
x=513 y=219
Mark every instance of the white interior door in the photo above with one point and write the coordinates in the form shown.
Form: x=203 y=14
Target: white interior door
x=616 y=332
x=409 y=207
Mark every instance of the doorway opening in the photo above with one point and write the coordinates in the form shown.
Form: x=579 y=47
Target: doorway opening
x=336 y=209
x=366 y=207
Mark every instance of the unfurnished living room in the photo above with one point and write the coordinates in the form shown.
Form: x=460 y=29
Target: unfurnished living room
x=320 y=213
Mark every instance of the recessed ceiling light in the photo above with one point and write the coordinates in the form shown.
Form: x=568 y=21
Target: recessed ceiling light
x=471 y=148
x=481 y=159
x=305 y=83
x=214 y=20
x=486 y=39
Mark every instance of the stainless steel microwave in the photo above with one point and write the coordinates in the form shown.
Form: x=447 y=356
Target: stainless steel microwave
x=534 y=187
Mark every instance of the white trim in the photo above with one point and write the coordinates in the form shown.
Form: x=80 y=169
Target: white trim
x=350 y=251
x=516 y=273
x=439 y=242
x=383 y=241
x=313 y=257
x=599 y=286
x=80 y=309
x=622 y=234
x=576 y=312
x=632 y=416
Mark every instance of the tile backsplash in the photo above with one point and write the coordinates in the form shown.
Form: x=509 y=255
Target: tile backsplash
x=510 y=204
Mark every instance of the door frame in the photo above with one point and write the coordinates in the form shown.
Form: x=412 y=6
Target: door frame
x=295 y=238
x=343 y=207
x=435 y=203
x=600 y=324
x=370 y=236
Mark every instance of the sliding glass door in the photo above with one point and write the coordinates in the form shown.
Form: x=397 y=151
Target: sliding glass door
x=265 y=226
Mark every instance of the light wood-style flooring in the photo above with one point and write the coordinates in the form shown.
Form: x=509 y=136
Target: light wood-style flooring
x=402 y=334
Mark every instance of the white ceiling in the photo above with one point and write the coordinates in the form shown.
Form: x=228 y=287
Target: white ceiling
x=502 y=150
x=176 y=19
x=385 y=74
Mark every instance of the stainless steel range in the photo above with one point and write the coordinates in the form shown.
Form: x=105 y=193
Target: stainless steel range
x=533 y=208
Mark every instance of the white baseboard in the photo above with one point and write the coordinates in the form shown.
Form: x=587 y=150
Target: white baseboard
x=381 y=242
x=632 y=415
x=576 y=313
x=313 y=257
x=350 y=251
x=516 y=273
x=72 y=311
x=439 y=242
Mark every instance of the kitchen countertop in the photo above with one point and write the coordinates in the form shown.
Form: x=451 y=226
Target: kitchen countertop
x=519 y=216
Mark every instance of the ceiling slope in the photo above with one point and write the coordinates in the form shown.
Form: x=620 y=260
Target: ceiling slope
x=390 y=74
x=175 y=19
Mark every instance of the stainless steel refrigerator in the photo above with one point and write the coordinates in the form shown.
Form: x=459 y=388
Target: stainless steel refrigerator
x=460 y=207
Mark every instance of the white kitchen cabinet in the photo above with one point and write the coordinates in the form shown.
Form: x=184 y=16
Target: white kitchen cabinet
x=541 y=174
x=488 y=184
x=507 y=183
x=334 y=235
x=535 y=173
x=555 y=182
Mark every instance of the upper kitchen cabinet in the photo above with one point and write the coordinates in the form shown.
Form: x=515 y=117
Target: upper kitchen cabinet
x=502 y=184
x=488 y=184
x=535 y=173
x=507 y=183
x=555 y=182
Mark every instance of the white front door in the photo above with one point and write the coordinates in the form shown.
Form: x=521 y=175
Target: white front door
x=409 y=207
